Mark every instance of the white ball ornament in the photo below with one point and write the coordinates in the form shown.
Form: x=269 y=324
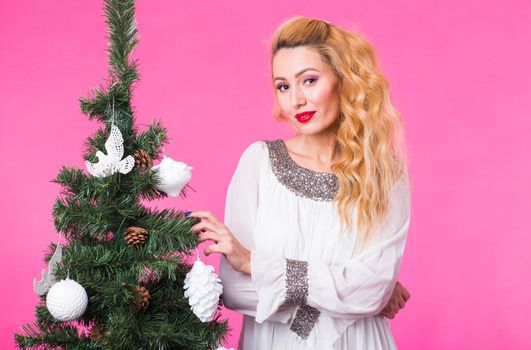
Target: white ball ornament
x=67 y=300
x=203 y=289
x=173 y=176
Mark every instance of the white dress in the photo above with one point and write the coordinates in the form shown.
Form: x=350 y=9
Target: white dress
x=308 y=289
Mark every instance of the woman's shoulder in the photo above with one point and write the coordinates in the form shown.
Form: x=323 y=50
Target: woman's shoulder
x=256 y=146
x=254 y=149
x=260 y=148
x=255 y=153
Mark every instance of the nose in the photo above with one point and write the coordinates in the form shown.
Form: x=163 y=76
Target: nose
x=297 y=97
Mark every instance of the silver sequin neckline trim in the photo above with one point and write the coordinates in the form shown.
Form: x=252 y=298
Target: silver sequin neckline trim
x=304 y=182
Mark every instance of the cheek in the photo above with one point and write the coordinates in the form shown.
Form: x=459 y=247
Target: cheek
x=283 y=104
x=325 y=97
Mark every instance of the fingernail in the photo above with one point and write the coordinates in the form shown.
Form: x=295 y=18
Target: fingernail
x=187 y=214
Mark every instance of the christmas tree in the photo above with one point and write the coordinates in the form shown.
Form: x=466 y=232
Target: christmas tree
x=118 y=280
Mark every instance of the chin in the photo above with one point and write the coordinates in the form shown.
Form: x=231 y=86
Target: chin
x=310 y=129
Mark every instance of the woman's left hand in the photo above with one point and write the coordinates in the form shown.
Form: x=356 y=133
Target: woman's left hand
x=397 y=301
x=237 y=255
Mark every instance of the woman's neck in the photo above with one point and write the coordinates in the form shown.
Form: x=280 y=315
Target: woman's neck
x=319 y=148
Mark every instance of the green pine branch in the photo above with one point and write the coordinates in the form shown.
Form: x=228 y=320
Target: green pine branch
x=153 y=139
x=120 y=18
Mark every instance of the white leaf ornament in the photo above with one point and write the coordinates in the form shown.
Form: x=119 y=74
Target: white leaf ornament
x=48 y=278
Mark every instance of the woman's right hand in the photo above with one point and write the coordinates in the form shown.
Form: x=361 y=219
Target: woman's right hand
x=397 y=301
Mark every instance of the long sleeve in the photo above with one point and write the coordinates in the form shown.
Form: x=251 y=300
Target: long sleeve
x=239 y=293
x=337 y=295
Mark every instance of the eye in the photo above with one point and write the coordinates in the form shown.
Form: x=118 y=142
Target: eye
x=280 y=86
x=311 y=80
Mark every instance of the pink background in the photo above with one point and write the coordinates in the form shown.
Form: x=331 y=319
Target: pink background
x=460 y=73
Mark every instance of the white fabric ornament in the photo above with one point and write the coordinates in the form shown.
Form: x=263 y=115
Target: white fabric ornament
x=112 y=162
x=66 y=300
x=173 y=176
x=48 y=278
x=222 y=348
x=203 y=289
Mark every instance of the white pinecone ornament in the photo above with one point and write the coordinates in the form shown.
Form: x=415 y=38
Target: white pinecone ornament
x=203 y=289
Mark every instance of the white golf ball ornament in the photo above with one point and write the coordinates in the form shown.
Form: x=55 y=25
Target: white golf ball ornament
x=67 y=300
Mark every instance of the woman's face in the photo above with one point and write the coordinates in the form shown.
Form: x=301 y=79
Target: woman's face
x=305 y=83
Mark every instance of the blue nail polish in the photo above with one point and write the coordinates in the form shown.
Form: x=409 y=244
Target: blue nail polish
x=188 y=213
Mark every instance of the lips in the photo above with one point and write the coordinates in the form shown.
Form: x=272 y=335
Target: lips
x=303 y=117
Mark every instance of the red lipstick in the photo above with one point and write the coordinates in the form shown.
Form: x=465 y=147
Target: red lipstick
x=303 y=117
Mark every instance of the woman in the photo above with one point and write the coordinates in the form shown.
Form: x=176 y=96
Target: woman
x=316 y=225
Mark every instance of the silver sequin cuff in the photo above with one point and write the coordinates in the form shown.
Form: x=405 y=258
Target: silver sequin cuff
x=296 y=294
x=304 y=320
x=296 y=282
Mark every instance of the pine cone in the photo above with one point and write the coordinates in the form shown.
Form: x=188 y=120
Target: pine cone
x=97 y=334
x=135 y=235
x=142 y=300
x=203 y=288
x=143 y=160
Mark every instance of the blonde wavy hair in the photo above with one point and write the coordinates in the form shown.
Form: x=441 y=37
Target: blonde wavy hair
x=369 y=140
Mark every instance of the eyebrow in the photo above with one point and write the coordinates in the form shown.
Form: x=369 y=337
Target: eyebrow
x=298 y=74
